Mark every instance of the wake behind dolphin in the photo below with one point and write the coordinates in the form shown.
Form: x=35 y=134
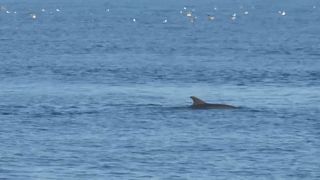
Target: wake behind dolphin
x=200 y=104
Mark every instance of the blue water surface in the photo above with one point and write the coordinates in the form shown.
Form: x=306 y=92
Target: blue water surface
x=100 y=89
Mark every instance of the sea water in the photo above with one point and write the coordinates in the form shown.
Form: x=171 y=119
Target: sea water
x=100 y=89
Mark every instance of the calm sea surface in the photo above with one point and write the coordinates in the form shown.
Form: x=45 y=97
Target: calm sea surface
x=100 y=89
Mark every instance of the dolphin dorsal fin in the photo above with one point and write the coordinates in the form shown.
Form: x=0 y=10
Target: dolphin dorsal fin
x=197 y=101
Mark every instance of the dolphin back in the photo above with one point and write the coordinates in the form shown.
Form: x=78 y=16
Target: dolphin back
x=200 y=104
x=213 y=106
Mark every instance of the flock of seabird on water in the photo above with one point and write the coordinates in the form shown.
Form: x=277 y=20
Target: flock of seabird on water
x=189 y=13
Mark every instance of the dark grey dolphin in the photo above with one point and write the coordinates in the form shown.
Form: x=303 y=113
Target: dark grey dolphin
x=200 y=104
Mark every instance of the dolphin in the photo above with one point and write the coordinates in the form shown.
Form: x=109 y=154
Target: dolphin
x=200 y=104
